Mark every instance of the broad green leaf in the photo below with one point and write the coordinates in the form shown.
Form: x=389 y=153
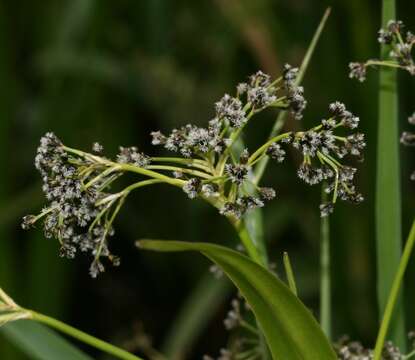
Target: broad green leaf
x=289 y=328
x=388 y=196
x=41 y=343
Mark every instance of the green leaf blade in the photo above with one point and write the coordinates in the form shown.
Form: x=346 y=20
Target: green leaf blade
x=291 y=331
x=41 y=343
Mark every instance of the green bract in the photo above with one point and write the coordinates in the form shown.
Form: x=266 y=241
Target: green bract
x=290 y=329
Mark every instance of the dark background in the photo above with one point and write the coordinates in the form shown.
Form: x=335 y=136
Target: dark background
x=112 y=71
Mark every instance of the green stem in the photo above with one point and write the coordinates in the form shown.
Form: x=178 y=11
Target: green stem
x=196 y=163
x=125 y=167
x=233 y=138
x=388 y=189
x=323 y=158
x=183 y=170
x=84 y=337
x=391 y=64
x=325 y=281
x=261 y=258
x=153 y=174
x=247 y=241
x=179 y=160
x=408 y=356
x=100 y=176
x=249 y=327
x=140 y=184
x=264 y=147
x=282 y=116
x=394 y=293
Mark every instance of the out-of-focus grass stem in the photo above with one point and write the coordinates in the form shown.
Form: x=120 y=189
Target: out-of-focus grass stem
x=325 y=278
x=388 y=189
x=394 y=293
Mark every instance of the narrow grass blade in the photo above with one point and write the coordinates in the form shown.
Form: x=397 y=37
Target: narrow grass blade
x=254 y=218
x=279 y=123
x=289 y=273
x=289 y=328
x=388 y=196
x=41 y=343
x=394 y=293
x=325 y=278
x=194 y=315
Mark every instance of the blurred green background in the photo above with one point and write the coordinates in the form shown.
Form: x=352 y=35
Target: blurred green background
x=112 y=71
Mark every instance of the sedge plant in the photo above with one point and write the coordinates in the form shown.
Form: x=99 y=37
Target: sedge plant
x=84 y=197
x=397 y=54
x=82 y=205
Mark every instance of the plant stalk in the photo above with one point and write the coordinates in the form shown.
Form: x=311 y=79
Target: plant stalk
x=261 y=258
x=394 y=293
x=282 y=116
x=388 y=190
x=85 y=338
x=325 y=279
x=247 y=241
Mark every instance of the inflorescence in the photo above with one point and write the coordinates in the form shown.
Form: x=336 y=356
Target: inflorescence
x=400 y=54
x=408 y=138
x=246 y=344
x=354 y=350
x=82 y=209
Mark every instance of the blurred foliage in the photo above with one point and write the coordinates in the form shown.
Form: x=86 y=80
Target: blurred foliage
x=114 y=71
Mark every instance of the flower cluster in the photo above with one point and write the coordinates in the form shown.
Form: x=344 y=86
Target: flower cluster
x=81 y=208
x=245 y=343
x=322 y=149
x=131 y=155
x=262 y=93
x=320 y=142
x=79 y=211
x=213 y=144
x=295 y=94
x=408 y=138
x=191 y=140
x=354 y=350
x=400 y=54
x=233 y=113
x=224 y=354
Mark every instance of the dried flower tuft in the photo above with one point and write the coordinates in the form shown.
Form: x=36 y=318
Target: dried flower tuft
x=400 y=54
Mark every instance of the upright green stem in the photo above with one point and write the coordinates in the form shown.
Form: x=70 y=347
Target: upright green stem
x=247 y=241
x=243 y=233
x=85 y=338
x=325 y=281
x=261 y=258
x=282 y=116
x=394 y=293
x=388 y=195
